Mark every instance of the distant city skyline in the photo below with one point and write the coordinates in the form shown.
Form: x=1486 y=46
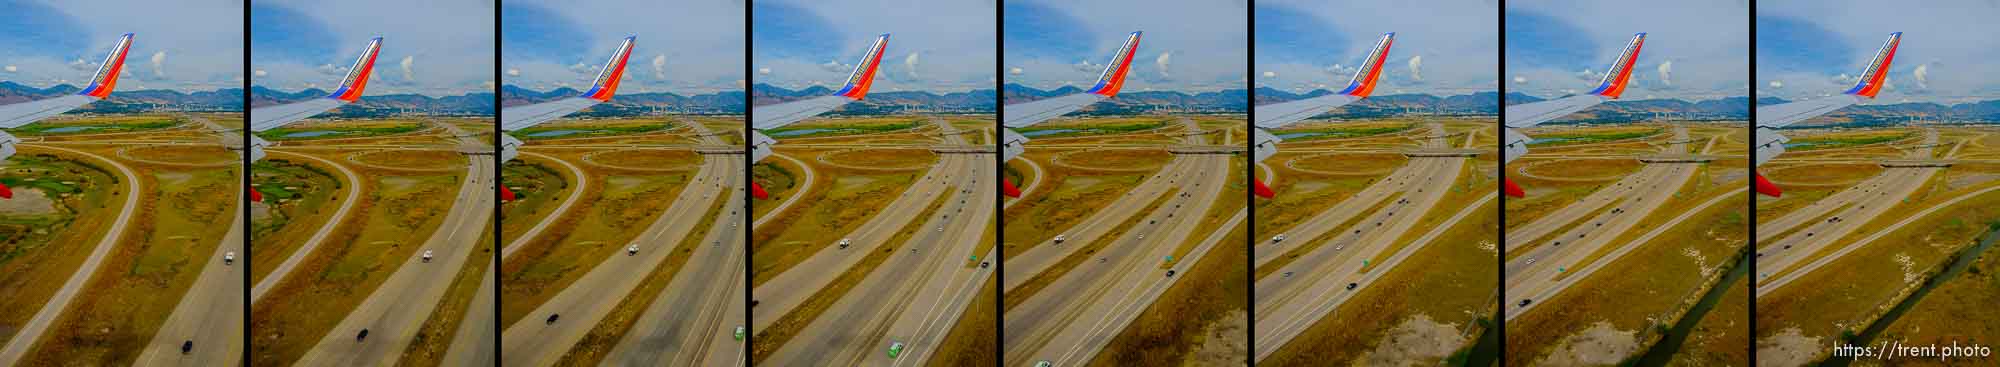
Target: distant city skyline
x=182 y=45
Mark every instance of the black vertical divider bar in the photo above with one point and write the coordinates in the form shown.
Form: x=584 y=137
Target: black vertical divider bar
x=1250 y=176
x=749 y=291
x=1000 y=173
x=497 y=181
x=243 y=196
x=1500 y=255
x=1750 y=238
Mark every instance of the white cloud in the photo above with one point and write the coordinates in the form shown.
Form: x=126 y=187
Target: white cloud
x=513 y=72
x=763 y=71
x=660 y=66
x=1923 y=76
x=1014 y=71
x=409 y=72
x=1416 y=67
x=910 y=62
x=1777 y=84
x=12 y=68
x=1667 y=72
x=1162 y=62
x=1270 y=74
x=1520 y=79
x=259 y=72
x=159 y=63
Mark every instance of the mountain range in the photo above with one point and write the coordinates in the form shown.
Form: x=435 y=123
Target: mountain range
x=1861 y=115
x=1615 y=111
x=629 y=104
x=220 y=100
x=371 y=106
x=1477 y=103
x=1131 y=102
x=974 y=101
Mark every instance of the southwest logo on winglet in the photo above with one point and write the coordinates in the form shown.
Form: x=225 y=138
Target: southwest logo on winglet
x=1615 y=79
x=106 y=78
x=606 y=84
x=1113 y=78
x=864 y=72
x=1363 y=82
x=1878 y=69
x=357 y=75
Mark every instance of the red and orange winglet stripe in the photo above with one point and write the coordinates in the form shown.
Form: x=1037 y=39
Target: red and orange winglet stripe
x=106 y=78
x=1878 y=69
x=1620 y=74
x=1364 y=79
x=357 y=75
x=864 y=73
x=606 y=84
x=1113 y=77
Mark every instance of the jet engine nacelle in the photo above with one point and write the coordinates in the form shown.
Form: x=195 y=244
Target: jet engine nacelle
x=8 y=144
x=1012 y=144
x=1517 y=146
x=509 y=147
x=1769 y=145
x=1266 y=145
x=760 y=146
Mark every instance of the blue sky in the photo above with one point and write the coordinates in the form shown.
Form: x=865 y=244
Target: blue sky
x=1695 y=49
x=180 y=45
x=1811 y=49
x=1189 y=45
x=434 y=48
x=934 y=45
x=1441 y=47
x=684 y=47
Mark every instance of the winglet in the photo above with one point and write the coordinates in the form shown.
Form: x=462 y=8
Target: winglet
x=606 y=83
x=1363 y=82
x=1767 y=188
x=1620 y=74
x=1877 y=72
x=106 y=78
x=1113 y=77
x=864 y=72
x=357 y=75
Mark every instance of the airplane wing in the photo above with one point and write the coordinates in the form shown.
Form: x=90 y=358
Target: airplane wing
x=1769 y=118
x=1277 y=115
x=1030 y=113
x=351 y=86
x=601 y=90
x=778 y=115
x=1109 y=82
x=101 y=84
x=1609 y=87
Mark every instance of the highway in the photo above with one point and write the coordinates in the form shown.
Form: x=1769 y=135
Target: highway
x=277 y=275
x=914 y=297
x=1810 y=231
x=472 y=344
x=1541 y=271
x=26 y=335
x=1311 y=287
x=395 y=310
x=701 y=284
x=211 y=313
x=1077 y=314
x=1398 y=181
x=1024 y=266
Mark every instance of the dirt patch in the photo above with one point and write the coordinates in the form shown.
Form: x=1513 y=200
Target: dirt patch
x=1790 y=347
x=1226 y=343
x=1417 y=341
x=1601 y=344
x=28 y=202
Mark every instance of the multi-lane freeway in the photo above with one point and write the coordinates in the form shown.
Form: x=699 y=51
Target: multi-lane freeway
x=1077 y=314
x=917 y=295
x=1806 y=234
